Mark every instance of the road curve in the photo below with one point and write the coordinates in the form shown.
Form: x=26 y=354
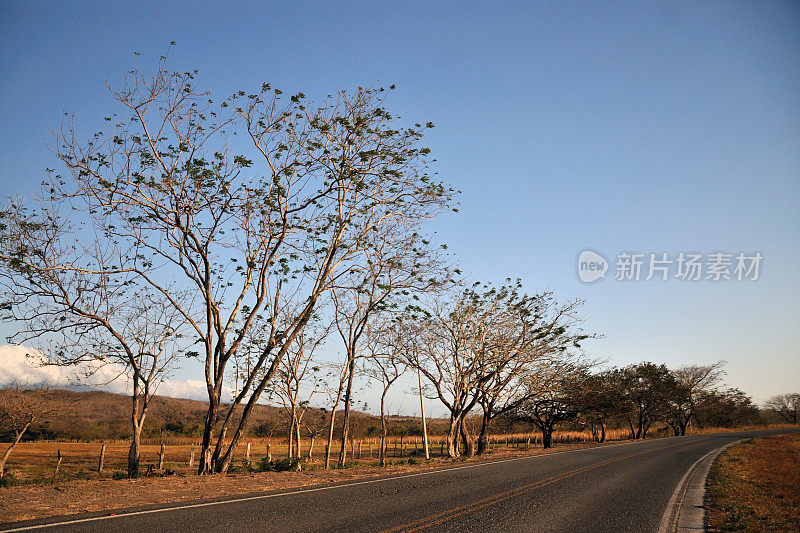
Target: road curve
x=624 y=487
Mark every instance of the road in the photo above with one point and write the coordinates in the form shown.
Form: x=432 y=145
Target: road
x=619 y=488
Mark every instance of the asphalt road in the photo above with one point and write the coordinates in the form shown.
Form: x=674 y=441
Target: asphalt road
x=615 y=488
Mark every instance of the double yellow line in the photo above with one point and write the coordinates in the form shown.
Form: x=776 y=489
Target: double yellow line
x=497 y=498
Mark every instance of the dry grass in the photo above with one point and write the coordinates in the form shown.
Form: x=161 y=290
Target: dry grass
x=34 y=462
x=755 y=486
x=104 y=494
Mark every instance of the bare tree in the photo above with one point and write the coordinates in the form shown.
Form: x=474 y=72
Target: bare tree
x=786 y=405
x=62 y=284
x=385 y=365
x=692 y=381
x=22 y=406
x=297 y=383
x=399 y=264
x=248 y=227
x=442 y=346
x=522 y=333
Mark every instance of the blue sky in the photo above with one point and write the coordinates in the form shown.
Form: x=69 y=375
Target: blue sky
x=663 y=127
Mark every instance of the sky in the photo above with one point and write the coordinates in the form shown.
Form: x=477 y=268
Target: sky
x=638 y=128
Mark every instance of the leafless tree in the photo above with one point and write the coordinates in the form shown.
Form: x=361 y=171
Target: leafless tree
x=62 y=284
x=786 y=405
x=692 y=381
x=442 y=348
x=523 y=334
x=385 y=364
x=254 y=205
x=297 y=382
x=20 y=407
x=401 y=263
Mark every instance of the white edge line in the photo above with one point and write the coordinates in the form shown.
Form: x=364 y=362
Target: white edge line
x=666 y=520
x=328 y=487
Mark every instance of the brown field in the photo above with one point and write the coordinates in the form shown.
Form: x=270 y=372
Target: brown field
x=755 y=486
x=34 y=462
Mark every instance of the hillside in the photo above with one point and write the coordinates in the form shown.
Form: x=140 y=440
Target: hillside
x=100 y=415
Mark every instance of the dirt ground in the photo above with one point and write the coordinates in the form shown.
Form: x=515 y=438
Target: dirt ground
x=25 y=502
x=755 y=486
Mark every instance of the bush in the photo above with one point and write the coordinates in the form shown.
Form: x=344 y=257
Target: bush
x=279 y=465
x=8 y=480
x=119 y=474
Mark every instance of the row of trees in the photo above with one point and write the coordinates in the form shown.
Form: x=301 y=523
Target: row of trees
x=252 y=234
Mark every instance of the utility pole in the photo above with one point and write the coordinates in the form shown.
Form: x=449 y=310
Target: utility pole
x=422 y=410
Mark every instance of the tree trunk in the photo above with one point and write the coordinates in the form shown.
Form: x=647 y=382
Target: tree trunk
x=311 y=448
x=384 y=430
x=452 y=437
x=330 y=428
x=483 y=438
x=603 y=432
x=466 y=440
x=351 y=367
x=422 y=413
x=547 y=436
x=134 y=452
x=205 y=466
x=7 y=453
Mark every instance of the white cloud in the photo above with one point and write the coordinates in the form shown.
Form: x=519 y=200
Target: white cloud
x=27 y=366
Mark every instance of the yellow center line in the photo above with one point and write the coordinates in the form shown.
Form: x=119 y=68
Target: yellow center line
x=497 y=498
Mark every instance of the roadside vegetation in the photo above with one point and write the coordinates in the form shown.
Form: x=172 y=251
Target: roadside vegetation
x=754 y=486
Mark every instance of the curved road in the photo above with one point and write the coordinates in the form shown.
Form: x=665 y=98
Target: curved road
x=623 y=487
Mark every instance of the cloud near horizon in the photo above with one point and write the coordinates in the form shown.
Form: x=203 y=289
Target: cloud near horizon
x=28 y=366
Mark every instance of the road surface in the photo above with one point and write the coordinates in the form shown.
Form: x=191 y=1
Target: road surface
x=616 y=488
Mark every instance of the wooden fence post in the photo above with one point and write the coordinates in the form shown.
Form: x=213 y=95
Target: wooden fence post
x=269 y=452
x=161 y=458
x=191 y=456
x=102 y=457
x=359 y=448
x=247 y=455
x=58 y=464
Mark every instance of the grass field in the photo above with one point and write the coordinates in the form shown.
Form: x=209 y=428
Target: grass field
x=34 y=462
x=755 y=486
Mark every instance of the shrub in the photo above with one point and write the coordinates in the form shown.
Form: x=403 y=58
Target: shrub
x=278 y=465
x=8 y=480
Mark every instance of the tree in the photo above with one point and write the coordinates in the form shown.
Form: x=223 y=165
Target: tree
x=551 y=395
x=786 y=405
x=292 y=385
x=253 y=206
x=62 y=284
x=597 y=403
x=441 y=347
x=691 y=381
x=401 y=263
x=725 y=408
x=385 y=364
x=518 y=333
x=20 y=407
x=645 y=389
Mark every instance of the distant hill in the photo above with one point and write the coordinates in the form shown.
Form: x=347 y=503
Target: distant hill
x=100 y=415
